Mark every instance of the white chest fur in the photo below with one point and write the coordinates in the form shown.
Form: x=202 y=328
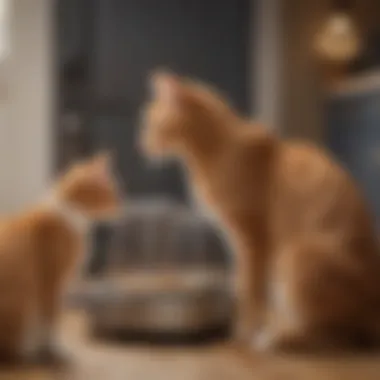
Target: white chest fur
x=199 y=200
x=73 y=217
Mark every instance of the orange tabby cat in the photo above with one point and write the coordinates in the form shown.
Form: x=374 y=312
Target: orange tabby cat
x=40 y=248
x=307 y=261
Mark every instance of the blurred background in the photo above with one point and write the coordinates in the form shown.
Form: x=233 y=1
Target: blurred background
x=73 y=77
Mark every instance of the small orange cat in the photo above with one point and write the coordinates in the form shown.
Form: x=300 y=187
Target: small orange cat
x=307 y=260
x=40 y=248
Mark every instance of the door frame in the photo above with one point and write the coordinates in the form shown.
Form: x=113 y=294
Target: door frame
x=267 y=63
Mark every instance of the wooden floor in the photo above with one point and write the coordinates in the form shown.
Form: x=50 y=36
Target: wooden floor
x=98 y=361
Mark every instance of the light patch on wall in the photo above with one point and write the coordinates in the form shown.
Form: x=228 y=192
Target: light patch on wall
x=5 y=6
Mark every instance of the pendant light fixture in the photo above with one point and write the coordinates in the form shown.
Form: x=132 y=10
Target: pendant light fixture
x=338 y=40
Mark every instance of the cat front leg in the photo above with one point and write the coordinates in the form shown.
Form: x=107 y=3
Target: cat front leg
x=40 y=343
x=250 y=286
x=51 y=350
x=244 y=325
x=31 y=337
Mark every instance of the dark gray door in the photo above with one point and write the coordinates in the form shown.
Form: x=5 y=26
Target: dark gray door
x=353 y=136
x=121 y=42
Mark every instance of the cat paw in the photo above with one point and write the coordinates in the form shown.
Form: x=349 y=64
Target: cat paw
x=55 y=356
x=263 y=341
x=280 y=342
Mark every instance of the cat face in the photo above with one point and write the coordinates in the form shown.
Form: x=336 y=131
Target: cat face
x=183 y=117
x=91 y=187
x=165 y=118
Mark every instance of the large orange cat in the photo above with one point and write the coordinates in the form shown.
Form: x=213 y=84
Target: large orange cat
x=307 y=261
x=40 y=248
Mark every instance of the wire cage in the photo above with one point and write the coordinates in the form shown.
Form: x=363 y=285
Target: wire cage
x=162 y=267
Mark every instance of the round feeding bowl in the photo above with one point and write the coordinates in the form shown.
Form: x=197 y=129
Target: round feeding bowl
x=164 y=270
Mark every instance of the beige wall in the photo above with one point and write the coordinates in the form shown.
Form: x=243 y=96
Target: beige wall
x=26 y=110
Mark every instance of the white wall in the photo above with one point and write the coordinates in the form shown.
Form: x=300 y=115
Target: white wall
x=26 y=107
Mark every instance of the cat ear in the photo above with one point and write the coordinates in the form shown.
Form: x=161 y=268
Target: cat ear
x=166 y=86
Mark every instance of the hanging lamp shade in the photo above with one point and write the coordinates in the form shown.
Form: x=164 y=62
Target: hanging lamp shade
x=338 y=39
